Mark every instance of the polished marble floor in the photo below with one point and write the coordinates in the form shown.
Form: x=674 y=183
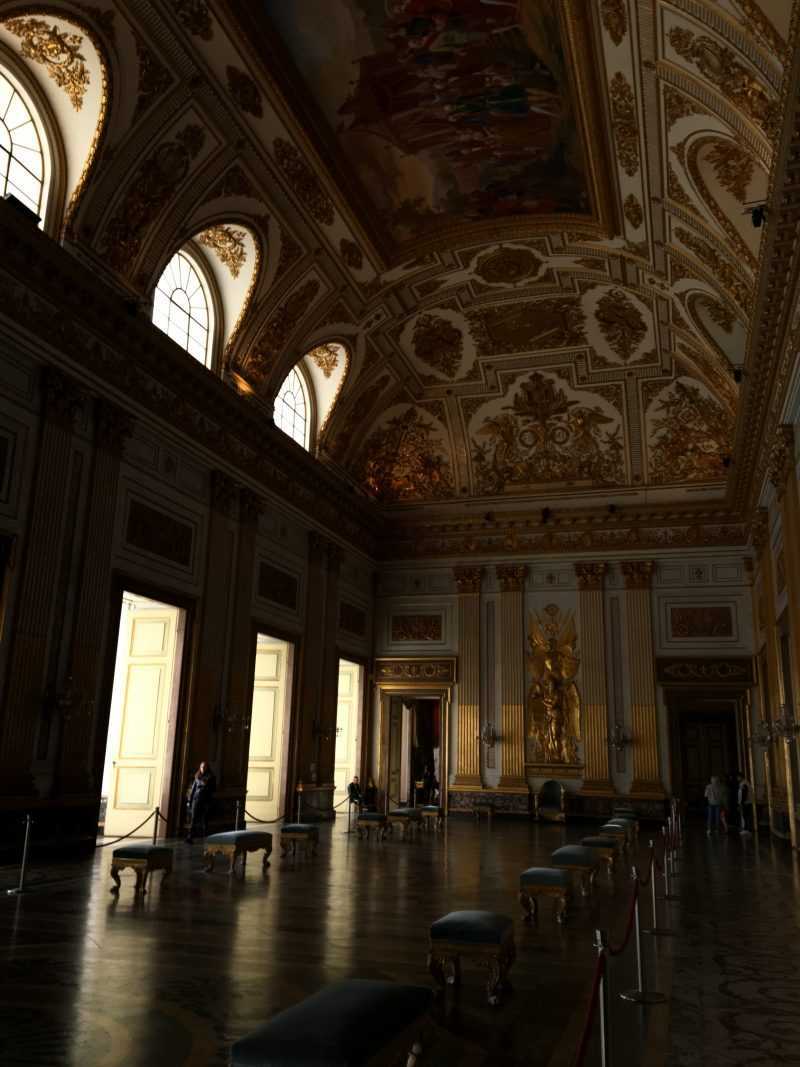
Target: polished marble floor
x=174 y=979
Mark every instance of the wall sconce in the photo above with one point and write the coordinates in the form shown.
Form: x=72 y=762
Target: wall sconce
x=784 y=728
x=619 y=739
x=763 y=734
x=488 y=735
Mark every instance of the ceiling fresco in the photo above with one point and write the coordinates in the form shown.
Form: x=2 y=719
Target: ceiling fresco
x=449 y=111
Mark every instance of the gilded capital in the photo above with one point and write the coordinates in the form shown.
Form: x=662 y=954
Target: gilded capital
x=759 y=528
x=511 y=577
x=781 y=457
x=591 y=575
x=113 y=426
x=468 y=579
x=638 y=573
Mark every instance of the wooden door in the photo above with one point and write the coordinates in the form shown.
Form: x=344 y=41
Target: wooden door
x=145 y=685
x=708 y=746
x=267 y=725
x=395 y=748
x=347 y=718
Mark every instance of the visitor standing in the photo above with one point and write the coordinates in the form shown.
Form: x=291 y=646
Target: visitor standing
x=715 y=795
x=201 y=793
x=743 y=802
x=354 y=792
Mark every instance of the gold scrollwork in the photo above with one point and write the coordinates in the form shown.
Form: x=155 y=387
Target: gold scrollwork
x=624 y=123
x=59 y=53
x=304 y=181
x=438 y=343
x=228 y=245
x=621 y=323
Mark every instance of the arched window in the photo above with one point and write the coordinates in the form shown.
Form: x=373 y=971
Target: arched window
x=22 y=161
x=292 y=408
x=182 y=307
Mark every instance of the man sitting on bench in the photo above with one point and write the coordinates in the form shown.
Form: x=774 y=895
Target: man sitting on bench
x=354 y=792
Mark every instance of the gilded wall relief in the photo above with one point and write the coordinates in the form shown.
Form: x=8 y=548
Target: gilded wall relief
x=262 y=359
x=57 y=51
x=624 y=123
x=351 y=254
x=303 y=181
x=700 y=621
x=546 y=435
x=244 y=92
x=416 y=628
x=614 y=14
x=195 y=17
x=326 y=358
x=621 y=323
x=406 y=459
x=632 y=210
x=438 y=343
x=689 y=432
x=553 y=703
x=555 y=322
x=228 y=244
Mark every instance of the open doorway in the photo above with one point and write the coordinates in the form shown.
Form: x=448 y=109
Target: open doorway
x=415 y=750
x=269 y=727
x=348 y=727
x=141 y=726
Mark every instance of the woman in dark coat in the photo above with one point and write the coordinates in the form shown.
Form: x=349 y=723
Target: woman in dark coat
x=201 y=793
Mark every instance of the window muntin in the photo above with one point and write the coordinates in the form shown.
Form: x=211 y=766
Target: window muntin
x=21 y=155
x=291 y=413
x=181 y=307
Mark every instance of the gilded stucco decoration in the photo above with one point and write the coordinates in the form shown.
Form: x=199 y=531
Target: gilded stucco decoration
x=720 y=268
x=719 y=65
x=326 y=358
x=633 y=210
x=553 y=702
x=289 y=254
x=303 y=181
x=733 y=167
x=155 y=182
x=57 y=51
x=689 y=434
x=438 y=343
x=624 y=123
x=543 y=436
x=154 y=79
x=679 y=106
x=228 y=244
x=244 y=92
x=194 y=16
x=360 y=407
x=508 y=266
x=416 y=628
x=404 y=460
x=614 y=14
x=720 y=313
x=279 y=328
x=351 y=254
x=556 y=322
x=621 y=323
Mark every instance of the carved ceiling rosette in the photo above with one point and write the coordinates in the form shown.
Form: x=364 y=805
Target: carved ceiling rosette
x=638 y=573
x=195 y=17
x=244 y=92
x=468 y=579
x=511 y=577
x=508 y=265
x=351 y=254
x=591 y=575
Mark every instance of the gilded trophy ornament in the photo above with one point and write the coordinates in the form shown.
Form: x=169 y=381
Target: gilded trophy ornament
x=554 y=706
x=58 y=52
x=228 y=244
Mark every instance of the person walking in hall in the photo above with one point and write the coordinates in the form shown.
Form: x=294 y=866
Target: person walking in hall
x=743 y=802
x=715 y=795
x=201 y=793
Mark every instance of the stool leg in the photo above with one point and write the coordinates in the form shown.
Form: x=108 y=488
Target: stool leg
x=436 y=968
x=452 y=971
x=414 y=1054
x=528 y=906
x=117 y=883
x=561 y=909
x=494 y=984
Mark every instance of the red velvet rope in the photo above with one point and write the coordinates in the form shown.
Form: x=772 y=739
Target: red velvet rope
x=591 y=1007
x=619 y=949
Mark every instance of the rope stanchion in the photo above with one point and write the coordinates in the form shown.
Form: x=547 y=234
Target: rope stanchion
x=157 y=814
x=130 y=833
x=668 y=894
x=640 y=995
x=594 y=998
x=20 y=887
x=264 y=822
x=632 y=915
x=655 y=930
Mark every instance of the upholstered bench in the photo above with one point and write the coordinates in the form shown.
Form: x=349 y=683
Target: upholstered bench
x=617 y=830
x=346 y=1024
x=482 y=936
x=144 y=859
x=580 y=860
x=627 y=815
x=483 y=807
x=305 y=832
x=605 y=847
x=368 y=821
x=409 y=819
x=544 y=882
x=432 y=816
x=236 y=843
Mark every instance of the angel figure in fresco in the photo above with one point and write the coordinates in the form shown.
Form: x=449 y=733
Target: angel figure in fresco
x=554 y=708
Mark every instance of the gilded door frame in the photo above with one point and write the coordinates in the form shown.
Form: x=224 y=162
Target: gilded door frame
x=415 y=691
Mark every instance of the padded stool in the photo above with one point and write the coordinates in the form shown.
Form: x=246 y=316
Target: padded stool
x=346 y=1024
x=482 y=936
x=144 y=859
x=432 y=816
x=236 y=843
x=368 y=821
x=580 y=860
x=605 y=847
x=407 y=818
x=305 y=832
x=617 y=830
x=483 y=806
x=544 y=882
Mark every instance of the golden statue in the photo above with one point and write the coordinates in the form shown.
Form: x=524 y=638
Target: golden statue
x=554 y=706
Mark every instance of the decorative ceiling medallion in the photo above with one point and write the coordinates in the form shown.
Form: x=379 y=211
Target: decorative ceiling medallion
x=543 y=437
x=633 y=211
x=690 y=434
x=508 y=266
x=614 y=14
x=403 y=461
x=57 y=51
x=621 y=323
x=438 y=343
x=193 y=14
x=351 y=254
x=719 y=65
x=625 y=127
x=326 y=358
x=244 y=92
x=228 y=245
x=304 y=181
x=557 y=322
x=733 y=167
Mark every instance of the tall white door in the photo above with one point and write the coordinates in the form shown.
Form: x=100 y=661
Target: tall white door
x=267 y=725
x=347 y=721
x=145 y=684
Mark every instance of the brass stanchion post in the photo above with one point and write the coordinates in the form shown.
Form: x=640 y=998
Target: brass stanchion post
x=299 y=800
x=155 y=826
x=236 y=818
x=20 y=888
x=655 y=930
x=602 y=998
x=640 y=995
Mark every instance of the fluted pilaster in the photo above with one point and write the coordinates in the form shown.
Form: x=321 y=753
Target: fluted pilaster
x=512 y=676
x=591 y=576
x=468 y=762
x=644 y=716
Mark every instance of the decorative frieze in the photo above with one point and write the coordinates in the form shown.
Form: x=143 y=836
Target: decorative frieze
x=416 y=628
x=705 y=670
x=441 y=671
x=468 y=579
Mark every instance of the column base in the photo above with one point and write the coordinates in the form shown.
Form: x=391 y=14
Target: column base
x=597 y=788
x=467 y=781
x=510 y=783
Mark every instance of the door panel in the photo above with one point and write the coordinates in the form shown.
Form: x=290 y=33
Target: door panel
x=347 y=718
x=708 y=746
x=268 y=716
